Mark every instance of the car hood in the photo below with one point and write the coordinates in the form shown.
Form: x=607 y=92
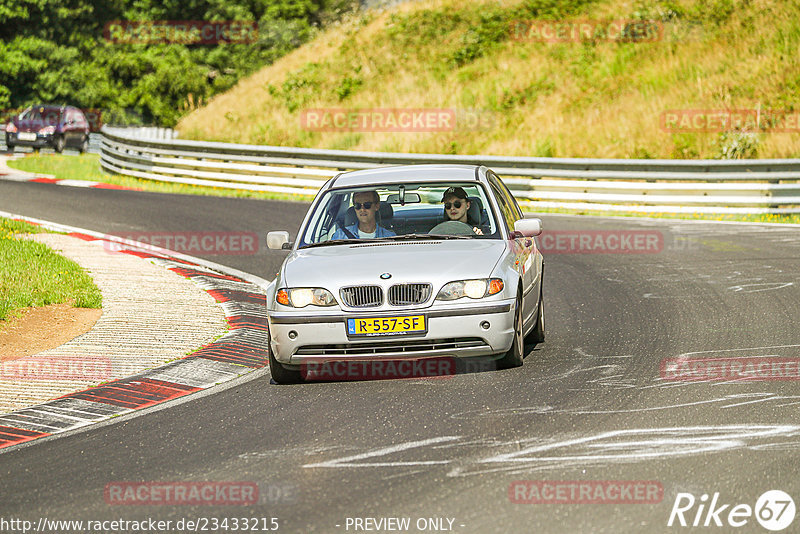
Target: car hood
x=419 y=261
x=50 y=118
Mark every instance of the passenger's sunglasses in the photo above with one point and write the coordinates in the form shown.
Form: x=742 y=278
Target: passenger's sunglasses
x=448 y=205
x=367 y=205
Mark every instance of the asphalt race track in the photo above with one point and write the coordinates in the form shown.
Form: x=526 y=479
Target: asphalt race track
x=589 y=404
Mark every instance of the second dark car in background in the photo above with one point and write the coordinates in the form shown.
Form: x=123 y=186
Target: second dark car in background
x=57 y=127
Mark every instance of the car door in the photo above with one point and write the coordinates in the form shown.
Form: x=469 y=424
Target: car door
x=81 y=128
x=70 y=128
x=524 y=247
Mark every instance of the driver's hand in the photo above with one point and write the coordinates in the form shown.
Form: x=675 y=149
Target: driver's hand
x=477 y=230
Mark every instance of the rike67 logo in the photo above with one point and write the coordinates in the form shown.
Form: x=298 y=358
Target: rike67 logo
x=774 y=510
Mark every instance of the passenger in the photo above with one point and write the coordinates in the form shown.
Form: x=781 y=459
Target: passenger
x=366 y=204
x=456 y=207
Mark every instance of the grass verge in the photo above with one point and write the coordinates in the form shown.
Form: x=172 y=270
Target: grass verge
x=32 y=274
x=732 y=217
x=87 y=167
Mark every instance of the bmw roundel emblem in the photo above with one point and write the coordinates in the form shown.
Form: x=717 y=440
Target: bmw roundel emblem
x=386 y=276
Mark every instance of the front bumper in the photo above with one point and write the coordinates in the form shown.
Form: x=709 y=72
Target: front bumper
x=41 y=141
x=452 y=331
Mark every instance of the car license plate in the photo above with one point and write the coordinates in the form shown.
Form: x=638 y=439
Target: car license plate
x=26 y=136
x=383 y=326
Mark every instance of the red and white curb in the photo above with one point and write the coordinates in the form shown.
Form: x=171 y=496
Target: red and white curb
x=241 y=351
x=14 y=175
x=48 y=179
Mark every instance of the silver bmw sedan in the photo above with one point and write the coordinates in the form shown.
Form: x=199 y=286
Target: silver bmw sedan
x=396 y=267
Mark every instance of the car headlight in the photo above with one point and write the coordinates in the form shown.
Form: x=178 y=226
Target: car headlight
x=47 y=130
x=303 y=296
x=474 y=289
x=10 y=128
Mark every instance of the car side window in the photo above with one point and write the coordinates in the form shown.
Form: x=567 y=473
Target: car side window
x=507 y=195
x=506 y=203
x=506 y=210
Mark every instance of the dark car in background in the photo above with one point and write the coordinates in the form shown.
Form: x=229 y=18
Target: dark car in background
x=57 y=127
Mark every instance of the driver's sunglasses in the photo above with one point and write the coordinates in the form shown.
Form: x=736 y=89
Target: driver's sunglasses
x=448 y=205
x=367 y=205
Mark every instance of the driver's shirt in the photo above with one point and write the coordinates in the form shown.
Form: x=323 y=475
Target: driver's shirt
x=380 y=231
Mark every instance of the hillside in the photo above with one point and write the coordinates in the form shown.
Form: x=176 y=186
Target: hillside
x=605 y=97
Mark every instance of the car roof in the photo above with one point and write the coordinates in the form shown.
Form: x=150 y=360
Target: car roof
x=409 y=173
x=48 y=107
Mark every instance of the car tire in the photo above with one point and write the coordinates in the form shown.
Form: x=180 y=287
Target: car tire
x=84 y=148
x=537 y=334
x=513 y=358
x=280 y=374
x=59 y=145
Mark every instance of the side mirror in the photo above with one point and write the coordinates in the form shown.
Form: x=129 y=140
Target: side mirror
x=528 y=227
x=278 y=240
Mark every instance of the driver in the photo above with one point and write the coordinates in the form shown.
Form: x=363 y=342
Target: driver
x=366 y=204
x=456 y=206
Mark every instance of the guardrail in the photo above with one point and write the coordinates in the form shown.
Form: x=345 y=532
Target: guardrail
x=708 y=186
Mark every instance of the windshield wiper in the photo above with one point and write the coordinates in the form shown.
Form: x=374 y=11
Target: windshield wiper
x=383 y=239
x=334 y=242
x=427 y=236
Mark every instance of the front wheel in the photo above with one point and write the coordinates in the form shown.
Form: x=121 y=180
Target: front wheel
x=513 y=358
x=84 y=146
x=60 y=144
x=281 y=374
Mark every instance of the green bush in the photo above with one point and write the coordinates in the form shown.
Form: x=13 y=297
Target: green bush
x=55 y=51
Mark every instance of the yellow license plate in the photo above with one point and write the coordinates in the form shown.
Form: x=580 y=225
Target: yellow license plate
x=381 y=326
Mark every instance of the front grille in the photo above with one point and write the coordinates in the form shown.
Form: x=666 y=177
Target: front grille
x=362 y=296
x=420 y=346
x=405 y=294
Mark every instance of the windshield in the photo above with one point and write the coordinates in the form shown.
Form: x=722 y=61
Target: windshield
x=40 y=115
x=402 y=211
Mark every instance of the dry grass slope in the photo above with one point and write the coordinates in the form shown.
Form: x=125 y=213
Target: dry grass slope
x=575 y=99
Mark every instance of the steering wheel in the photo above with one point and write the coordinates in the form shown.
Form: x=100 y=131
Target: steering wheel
x=452 y=228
